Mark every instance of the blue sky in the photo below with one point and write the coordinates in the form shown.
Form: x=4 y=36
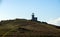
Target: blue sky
x=45 y=10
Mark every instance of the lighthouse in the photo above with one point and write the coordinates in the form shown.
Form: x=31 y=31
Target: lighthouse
x=33 y=17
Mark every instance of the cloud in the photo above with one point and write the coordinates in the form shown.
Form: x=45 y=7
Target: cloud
x=55 y=22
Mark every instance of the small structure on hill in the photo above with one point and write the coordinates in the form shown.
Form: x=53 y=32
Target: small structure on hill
x=33 y=17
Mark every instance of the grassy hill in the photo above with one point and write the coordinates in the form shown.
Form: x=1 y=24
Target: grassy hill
x=27 y=28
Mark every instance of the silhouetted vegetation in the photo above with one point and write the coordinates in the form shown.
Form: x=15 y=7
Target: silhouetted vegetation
x=57 y=27
x=45 y=22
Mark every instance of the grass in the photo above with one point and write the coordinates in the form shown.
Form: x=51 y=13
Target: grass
x=27 y=28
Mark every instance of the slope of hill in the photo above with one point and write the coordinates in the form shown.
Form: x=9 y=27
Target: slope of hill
x=27 y=28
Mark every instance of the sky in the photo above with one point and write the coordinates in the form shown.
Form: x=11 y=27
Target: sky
x=45 y=10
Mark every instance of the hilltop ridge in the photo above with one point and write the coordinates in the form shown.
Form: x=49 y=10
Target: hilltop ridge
x=23 y=27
